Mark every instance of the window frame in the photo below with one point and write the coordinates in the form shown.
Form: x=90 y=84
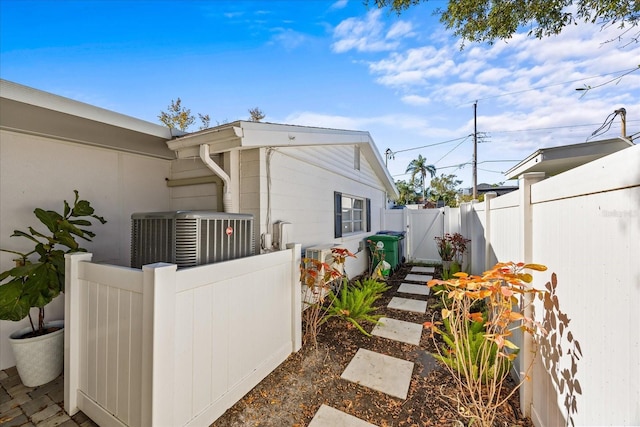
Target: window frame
x=340 y=214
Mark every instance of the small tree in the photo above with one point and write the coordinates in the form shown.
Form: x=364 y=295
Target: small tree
x=444 y=188
x=38 y=276
x=488 y=21
x=179 y=117
x=256 y=114
x=407 y=193
x=418 y=168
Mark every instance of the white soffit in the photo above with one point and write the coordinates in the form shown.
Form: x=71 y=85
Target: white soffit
x=31 y=96
x=555 y=160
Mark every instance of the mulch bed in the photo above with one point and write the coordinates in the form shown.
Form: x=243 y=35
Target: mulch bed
x=291 y=395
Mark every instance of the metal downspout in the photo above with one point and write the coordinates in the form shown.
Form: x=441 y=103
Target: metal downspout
x=226 y=198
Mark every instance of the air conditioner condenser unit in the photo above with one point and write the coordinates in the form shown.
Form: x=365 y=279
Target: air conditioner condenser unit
x=190 y=238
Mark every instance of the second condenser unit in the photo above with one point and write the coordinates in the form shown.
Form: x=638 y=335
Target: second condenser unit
x=190 y=238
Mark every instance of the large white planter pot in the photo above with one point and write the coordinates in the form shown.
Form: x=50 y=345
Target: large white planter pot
x=39 y=360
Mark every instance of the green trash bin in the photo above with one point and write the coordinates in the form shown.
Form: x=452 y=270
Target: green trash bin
x=387 y=247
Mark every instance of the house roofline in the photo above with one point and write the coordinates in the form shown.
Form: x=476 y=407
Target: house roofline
x=28 y=95
x=560 y=152
x=241 y=135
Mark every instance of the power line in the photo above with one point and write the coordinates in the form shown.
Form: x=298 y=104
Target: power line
x=553 y=127
x=430 y=145
x=626 y=71
x=450 y=151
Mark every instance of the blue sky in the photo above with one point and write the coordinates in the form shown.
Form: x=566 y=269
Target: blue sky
x=331 y=64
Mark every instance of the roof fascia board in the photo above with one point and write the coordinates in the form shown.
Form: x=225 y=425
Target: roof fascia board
x=219 y=140
x=28 y=95
x=580 y=150
x=245 y=135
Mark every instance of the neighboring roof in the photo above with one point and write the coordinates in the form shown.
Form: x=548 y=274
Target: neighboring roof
x=555 y=160
x=27 y=110
x=241 y=135
x=490 y=188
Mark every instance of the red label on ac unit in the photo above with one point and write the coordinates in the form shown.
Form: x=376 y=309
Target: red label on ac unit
x=229 y=231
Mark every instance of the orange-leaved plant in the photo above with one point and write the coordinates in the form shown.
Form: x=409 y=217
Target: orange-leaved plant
x=476 y=345
x=317 y=279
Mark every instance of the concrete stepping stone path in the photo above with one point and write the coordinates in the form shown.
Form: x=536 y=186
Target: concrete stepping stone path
x=331 y=417
x=411 y=288
x=407 y=304
x=380 y=372
x=419 y=269
x=422 y=278
x=398 y=330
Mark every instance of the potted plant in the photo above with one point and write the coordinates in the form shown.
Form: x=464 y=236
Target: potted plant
x=451 y=248
x=39 y=349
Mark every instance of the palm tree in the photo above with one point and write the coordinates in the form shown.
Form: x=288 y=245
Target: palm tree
x=418 y=168
x=407 y=193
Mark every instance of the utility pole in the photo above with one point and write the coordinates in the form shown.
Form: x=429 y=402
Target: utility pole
x=475 y=150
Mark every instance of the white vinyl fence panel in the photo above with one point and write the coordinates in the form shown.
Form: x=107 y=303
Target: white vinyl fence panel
x=161 y=346
x=584 y=225
x=423 y=226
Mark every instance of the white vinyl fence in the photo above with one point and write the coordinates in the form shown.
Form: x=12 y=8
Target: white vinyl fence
x=584 y=225
x=161 y=346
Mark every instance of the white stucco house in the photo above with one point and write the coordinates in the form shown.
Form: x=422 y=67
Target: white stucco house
x=330 y=185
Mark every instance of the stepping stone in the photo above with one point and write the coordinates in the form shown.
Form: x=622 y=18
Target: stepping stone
x=380 y=372
x=418 y=269
x=331 y=417
x=424 y=278
x=412 y=288
x=407 y=304
x=398 y=330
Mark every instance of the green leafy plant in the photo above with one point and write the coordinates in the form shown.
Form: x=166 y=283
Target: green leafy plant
x=476 y=353
x=318 y=278
x=355 y=302
x=476 y=346
x=35 y=283
x=451 y=247
x=377 y=261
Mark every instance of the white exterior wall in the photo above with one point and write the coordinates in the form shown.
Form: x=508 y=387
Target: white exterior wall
x=193 y=197
x=303 y=182
x=42 y=172
x=253 y=200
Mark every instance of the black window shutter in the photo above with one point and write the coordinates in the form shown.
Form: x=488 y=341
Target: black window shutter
x=337 y=210
x=368 y=213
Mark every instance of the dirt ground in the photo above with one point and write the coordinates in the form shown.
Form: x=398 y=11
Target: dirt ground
x=291 y=395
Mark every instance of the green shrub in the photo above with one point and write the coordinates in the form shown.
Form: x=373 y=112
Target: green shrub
x=355 y=302
x=476 y=353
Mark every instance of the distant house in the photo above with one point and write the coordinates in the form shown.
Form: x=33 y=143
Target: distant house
x=489 y=188
x=330 y=185
x=555 y=160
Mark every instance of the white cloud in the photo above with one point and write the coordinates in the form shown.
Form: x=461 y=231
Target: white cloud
x=368 y=34
x=399 y=30
x=288 y=38
x=340 y=4
x=416 y=100
x=232 y=15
